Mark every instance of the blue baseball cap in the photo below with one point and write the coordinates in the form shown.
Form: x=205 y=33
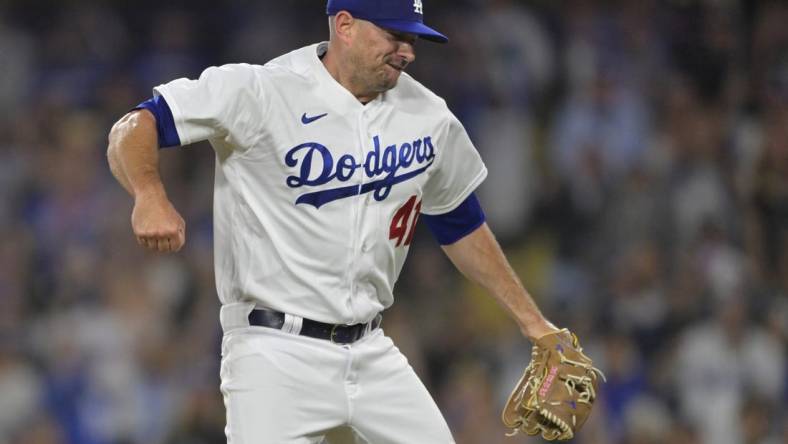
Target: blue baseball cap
x=397 y=15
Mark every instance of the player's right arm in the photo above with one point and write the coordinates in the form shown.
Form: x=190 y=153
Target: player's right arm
x=133 y=155
x=224 y=103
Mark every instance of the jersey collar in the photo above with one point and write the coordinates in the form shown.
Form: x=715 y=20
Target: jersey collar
x=333 y=90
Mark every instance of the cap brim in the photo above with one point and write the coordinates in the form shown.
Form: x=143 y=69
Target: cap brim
x=419 y=29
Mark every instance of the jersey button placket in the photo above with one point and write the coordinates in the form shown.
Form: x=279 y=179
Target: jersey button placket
x=357 y=209
x=369 y=136
x=369 y=199
x=364 y=140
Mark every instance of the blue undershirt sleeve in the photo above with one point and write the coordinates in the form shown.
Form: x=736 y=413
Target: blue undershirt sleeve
x=165 y=124
x=450 y=227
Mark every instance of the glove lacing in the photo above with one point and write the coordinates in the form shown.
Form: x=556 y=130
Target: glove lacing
x=532 y=382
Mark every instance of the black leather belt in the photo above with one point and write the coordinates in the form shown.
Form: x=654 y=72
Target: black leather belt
x=336 y=333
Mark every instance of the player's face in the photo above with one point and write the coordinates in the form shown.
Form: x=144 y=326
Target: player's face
x=380 y=56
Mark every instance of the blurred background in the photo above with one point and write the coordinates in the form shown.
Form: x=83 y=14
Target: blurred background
x=638 y=157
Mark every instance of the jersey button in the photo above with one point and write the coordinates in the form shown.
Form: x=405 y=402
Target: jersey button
x=366 y=247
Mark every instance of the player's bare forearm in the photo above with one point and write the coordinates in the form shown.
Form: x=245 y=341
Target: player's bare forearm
x=133 y=153
x=134 y=161
x=480 y=258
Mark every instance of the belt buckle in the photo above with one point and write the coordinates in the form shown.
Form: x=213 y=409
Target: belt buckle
x=333 y=334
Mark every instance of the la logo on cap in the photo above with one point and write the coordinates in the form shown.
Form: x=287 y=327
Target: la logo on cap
x=418 y=7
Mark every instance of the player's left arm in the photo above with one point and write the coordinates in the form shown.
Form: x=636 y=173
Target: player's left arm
x=459 y=227
x=479 y=257
x=537 y=404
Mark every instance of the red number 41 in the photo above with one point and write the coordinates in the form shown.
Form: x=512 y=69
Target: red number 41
x=399 y=224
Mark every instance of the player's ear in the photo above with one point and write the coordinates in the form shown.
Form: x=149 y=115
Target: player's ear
x=344 y=27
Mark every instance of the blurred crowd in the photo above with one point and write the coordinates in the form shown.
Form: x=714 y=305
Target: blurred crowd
x=638 y=158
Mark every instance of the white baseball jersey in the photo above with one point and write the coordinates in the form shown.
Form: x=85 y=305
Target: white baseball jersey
x=316 y=194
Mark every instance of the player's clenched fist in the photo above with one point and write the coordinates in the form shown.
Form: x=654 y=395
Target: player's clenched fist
x=157 y=225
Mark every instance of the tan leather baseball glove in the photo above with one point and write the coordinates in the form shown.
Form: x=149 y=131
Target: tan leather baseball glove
x=557 y=391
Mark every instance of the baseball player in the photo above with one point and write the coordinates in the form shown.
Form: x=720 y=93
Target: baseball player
x=326 y=157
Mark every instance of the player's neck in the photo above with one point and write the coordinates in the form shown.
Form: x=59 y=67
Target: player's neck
x=343 y=77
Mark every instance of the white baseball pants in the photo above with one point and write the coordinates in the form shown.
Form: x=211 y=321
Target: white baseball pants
x=282 y=388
